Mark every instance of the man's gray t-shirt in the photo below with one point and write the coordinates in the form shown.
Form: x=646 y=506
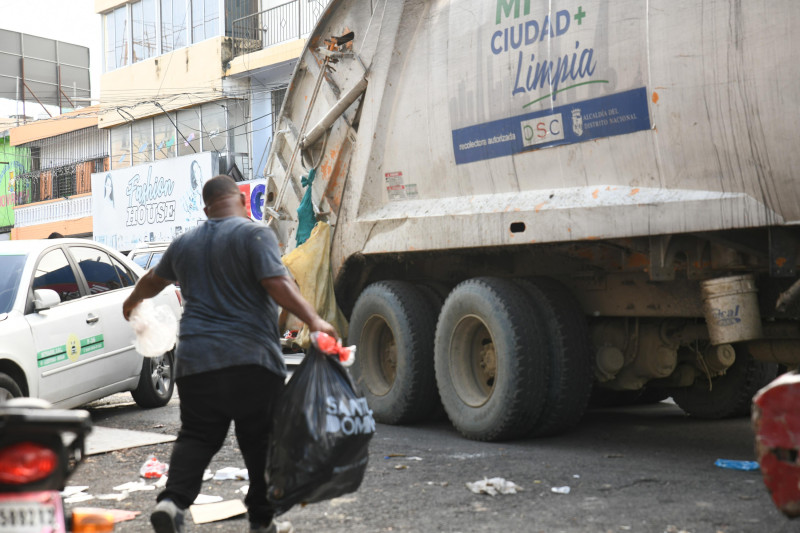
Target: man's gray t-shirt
x=229 y=319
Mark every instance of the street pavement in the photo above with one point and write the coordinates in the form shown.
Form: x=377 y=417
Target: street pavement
x=646 y=469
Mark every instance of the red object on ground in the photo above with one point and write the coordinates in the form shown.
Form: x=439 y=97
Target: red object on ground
x=776 y=421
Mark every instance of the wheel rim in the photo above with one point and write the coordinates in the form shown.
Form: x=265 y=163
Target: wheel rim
x=380 y=355
x=161 y=374
x=472 y=361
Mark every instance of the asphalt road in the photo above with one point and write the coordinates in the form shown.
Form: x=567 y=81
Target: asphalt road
x=643 y=469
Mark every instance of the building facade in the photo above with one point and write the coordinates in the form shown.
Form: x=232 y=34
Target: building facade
x=51 y=179
x=183 y=78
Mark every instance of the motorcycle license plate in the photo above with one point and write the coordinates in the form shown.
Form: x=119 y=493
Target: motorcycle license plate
x=32 y=512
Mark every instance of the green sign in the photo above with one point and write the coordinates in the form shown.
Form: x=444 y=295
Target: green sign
x=13 y=162
x=72 y=349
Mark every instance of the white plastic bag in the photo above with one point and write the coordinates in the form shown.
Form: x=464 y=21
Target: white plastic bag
x=156 y=328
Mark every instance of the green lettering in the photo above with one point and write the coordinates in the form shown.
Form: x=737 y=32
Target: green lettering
x=504 y=6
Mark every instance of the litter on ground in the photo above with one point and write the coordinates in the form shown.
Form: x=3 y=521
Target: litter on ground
x=231 y=472
x=204 y=499
x=560 y=490
x=79 y=497
x=213 y=512
x=494 y=486
x=133 y=486
x=737 y=465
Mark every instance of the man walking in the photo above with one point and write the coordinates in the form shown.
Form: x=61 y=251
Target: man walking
x=228 y=362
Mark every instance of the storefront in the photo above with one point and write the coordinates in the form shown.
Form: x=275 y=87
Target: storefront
x=158 y=201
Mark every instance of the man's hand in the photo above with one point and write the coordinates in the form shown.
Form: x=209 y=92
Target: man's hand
x=320 y=325
x=148 y=286
x=128 y=306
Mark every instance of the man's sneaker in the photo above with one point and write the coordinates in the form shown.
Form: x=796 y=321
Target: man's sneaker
x=274 y=527
x=167 y=518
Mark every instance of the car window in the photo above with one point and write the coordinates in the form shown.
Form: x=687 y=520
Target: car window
x=156 y=258
x=11 y=266
x=128 y=278
x=54 y=272
x=141 y=259
x=100 y=274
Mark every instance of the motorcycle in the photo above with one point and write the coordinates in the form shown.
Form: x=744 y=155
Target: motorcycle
x=40 y=448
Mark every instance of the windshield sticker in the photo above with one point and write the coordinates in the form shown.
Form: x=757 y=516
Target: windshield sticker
x=72 y=350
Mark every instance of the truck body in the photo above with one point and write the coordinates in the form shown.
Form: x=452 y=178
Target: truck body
x=534 y=200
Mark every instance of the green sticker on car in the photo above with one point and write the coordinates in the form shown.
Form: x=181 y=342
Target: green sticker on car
x=72 y=349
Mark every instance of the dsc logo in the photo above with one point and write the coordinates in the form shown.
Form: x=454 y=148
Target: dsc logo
x=542 y=130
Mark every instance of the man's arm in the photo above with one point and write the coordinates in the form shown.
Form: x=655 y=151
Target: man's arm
x=148 y=286
x=284 y=291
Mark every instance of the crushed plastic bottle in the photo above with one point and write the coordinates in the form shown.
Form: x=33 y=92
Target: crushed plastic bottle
x=153 y=468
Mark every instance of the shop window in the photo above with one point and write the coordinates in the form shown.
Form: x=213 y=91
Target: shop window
x=173 y=25
x=121 y=147
x=142 y=141
x=116 y=44
x=144 y=30
x=164 y=136
x=214 y=127
x=205 y=19
x=189 y=129
x=121 y=44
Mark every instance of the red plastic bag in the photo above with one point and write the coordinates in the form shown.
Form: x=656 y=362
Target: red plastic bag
x=319 y=444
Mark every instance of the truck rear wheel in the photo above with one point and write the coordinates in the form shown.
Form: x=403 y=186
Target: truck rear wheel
x=731 y=394
x=566 y=333
x=393 y=326
x=490 y=369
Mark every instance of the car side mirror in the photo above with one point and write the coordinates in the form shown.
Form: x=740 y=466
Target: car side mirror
x=45 y=299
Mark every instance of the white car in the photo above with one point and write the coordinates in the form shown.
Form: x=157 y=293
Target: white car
x=62 y=334
x=147 y=255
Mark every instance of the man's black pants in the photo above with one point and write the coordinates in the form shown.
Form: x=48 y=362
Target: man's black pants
x=208 y=403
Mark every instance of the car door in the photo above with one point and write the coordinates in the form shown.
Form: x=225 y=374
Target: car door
x=109 y=283
x=66 y=337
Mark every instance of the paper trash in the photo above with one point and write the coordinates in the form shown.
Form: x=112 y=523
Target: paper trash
x=494 y=486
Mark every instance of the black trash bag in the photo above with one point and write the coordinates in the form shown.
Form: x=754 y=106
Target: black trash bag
x=321 y=432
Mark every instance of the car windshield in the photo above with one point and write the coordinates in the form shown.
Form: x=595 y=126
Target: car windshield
x=141 y=259
x=11 y=266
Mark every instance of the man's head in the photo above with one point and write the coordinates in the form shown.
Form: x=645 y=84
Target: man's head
x=222 y=198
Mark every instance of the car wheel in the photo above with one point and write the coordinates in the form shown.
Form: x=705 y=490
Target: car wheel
x=157 y=381
x=8 y=388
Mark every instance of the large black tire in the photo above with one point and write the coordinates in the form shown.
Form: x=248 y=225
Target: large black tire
x=392 y=326
x=8 y=388
x=566 y=335
x=491 y=366
x=731 y=394
x=157 y=381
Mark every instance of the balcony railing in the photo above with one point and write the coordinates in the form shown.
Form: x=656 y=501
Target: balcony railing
x=60 y=182
x=292 y=20
x=67 y=209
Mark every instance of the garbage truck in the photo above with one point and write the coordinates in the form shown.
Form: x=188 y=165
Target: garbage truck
x=535 y=202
